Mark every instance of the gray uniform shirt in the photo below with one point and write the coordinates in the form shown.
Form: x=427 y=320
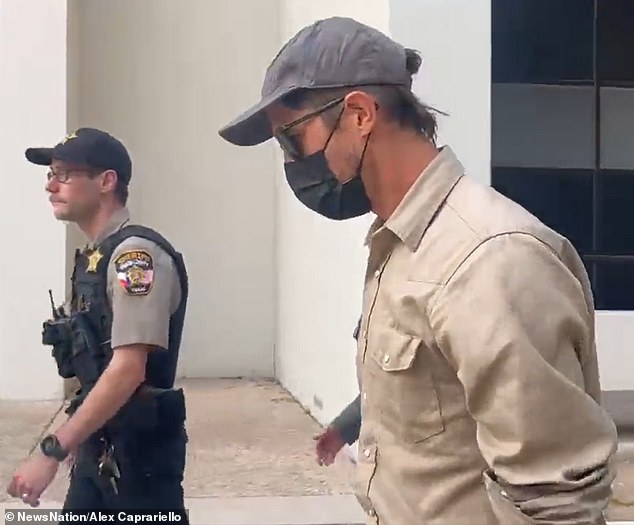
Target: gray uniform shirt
x=140 y=313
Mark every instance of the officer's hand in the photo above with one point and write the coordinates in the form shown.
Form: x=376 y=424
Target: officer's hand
x=32 y=478
x=329 y=443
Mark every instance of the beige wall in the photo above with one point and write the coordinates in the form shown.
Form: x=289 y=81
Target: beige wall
x=32 y=112
x=163 y=76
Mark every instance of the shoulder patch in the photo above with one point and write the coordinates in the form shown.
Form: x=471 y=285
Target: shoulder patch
x=135 y=271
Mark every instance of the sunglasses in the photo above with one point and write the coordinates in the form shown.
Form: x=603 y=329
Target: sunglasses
x=288 y=142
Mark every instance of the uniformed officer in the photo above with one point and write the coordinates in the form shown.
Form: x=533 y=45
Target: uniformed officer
x=120 y=336
x=343 y=429
x=476 y=359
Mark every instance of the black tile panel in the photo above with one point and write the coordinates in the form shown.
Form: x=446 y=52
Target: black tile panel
x=615 y=42
x=562 y=199
x=614 y=285
x=615 y=212
x=542 y=41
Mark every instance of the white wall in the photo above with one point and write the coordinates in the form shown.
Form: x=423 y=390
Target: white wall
x=164 y=76
x=32 y=112
x=454 y=39
x=320 y=264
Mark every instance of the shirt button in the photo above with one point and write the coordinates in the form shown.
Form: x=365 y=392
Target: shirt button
x=377 y=273
x=365 y=396
x=372 y=513
x=366 y=452
x=386 y=359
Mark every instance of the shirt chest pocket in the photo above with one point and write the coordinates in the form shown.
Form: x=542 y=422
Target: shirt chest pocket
x=400 y=386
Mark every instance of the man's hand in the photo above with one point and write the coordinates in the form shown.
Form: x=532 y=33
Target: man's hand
x=329 y=443
x=32 y=478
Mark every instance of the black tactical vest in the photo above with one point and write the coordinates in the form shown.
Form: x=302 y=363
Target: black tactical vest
x=89 y=292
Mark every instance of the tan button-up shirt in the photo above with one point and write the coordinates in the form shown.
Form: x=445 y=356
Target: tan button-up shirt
x=477 y=366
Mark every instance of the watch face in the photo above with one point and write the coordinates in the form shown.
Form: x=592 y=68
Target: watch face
x=46 y=444
x=50 y=447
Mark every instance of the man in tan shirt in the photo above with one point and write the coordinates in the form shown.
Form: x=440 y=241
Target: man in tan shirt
x=476 y=358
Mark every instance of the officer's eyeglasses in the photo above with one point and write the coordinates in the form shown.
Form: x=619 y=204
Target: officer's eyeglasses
x=64 y=176
x=289 y=142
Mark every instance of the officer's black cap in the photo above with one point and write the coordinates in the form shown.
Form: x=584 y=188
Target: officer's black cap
x=88 y=147
x=331 y=53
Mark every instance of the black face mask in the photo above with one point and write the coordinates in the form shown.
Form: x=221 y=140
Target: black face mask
x=314 y=184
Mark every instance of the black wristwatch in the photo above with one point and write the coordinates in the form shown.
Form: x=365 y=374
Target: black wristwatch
x=51 y=448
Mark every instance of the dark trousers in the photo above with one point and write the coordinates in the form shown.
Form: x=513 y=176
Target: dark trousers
x=151 y=474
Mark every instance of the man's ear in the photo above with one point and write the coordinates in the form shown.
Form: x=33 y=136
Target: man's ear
x=109 y=180
x=363 y=109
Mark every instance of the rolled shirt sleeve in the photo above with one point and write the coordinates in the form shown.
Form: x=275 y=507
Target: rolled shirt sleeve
x=514 y=322
x=348 y=422
x=144 y=291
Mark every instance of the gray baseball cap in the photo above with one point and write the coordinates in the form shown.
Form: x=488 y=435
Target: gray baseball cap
x=330 y=53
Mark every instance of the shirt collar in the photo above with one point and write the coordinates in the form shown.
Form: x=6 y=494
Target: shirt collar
x=114 y=224
x=414 y=213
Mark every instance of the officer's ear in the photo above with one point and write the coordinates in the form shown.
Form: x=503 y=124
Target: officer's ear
x=108 y=181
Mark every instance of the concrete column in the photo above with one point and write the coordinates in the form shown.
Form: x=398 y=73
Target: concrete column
x=32 y=112
x=171 y=75
x=321 y=264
